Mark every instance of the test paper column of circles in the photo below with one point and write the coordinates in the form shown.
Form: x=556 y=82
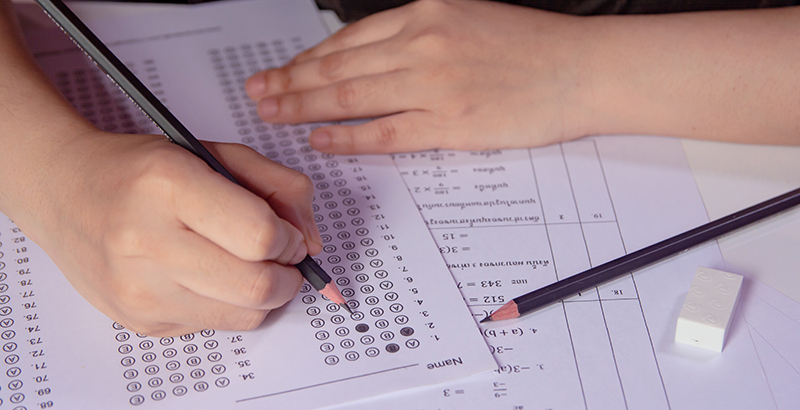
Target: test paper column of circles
x=233 y=66
x=155 y=368
x=100 y=101
x=349 y=253
x=26 y=383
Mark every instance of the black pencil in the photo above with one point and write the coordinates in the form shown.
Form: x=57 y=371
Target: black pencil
x=163 y=118
x=600 y=274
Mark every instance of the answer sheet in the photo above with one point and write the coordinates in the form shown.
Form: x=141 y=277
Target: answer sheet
x=409 y=328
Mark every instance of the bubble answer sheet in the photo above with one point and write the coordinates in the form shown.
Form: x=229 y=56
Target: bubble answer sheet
x=409 y=328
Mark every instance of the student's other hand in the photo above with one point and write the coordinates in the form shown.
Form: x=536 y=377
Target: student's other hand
x=158 y=241
x=439 y=74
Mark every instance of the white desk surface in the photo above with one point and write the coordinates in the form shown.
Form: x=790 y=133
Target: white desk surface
x=729 y=176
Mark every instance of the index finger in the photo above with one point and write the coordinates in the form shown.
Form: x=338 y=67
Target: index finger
x=376 y=27
x=230 y=216
x=288 y=192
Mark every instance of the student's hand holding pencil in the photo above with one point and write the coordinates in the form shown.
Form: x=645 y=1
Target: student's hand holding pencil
x=155 y=239
x=142 y=228
x=158 y=241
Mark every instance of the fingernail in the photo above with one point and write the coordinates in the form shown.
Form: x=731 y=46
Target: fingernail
x=320 y=140
x=302 y=251
x=316 y=238
x=255 y=86
x=302 y=248
x=267 y=108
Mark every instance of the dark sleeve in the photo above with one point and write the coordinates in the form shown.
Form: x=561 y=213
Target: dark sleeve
x=350 y=10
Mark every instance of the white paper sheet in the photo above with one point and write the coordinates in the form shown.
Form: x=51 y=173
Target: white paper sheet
x=773 y=320
x=510 y=221
x=410 y=328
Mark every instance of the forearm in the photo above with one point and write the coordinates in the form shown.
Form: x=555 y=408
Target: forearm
x=144 y=230
x=729 y=75
x=36 y=123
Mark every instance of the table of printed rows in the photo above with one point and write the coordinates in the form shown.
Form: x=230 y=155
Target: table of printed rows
x=508 y=222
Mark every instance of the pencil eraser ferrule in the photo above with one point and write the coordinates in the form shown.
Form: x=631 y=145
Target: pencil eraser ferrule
x=707 y=312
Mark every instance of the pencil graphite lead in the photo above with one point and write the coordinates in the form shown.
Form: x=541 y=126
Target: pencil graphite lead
x=345 y=307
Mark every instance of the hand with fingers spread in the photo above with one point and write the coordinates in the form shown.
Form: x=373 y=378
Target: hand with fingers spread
x=144 y=230
x=481 y=74
x=439 y=74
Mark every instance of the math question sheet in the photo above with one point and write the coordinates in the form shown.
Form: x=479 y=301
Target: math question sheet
x=511 y=221
x=409 y=328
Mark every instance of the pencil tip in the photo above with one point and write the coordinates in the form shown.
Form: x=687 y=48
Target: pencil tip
x=347 y=308
x=331 y=292
x=507 y=311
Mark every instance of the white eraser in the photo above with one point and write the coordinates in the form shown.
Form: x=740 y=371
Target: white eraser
x=708 y=309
